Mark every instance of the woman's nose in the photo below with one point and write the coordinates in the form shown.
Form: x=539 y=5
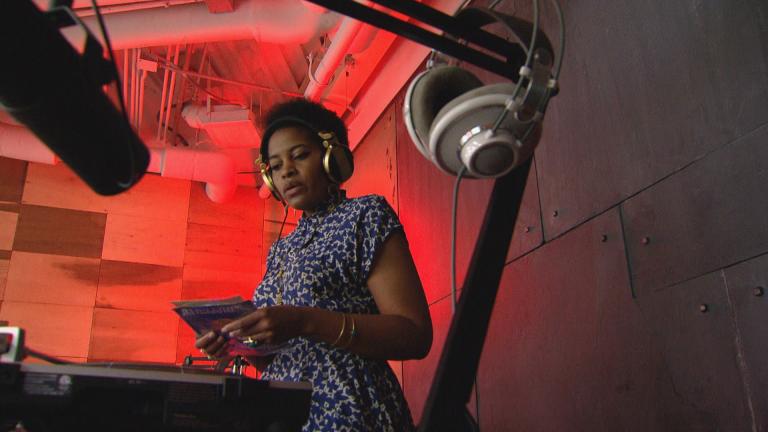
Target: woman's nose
x=289 y=169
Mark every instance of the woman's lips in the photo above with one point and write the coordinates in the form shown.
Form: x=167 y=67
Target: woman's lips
x=292 y=190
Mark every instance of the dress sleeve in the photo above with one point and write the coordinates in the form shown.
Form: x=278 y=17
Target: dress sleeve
x=377 y=222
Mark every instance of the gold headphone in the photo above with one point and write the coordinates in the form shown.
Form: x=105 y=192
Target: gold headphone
x=338 y=163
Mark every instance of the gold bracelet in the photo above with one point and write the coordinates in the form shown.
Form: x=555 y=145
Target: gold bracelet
x=343 y=327
x=352 y=334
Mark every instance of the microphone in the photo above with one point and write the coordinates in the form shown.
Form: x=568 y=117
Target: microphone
x=47 y=86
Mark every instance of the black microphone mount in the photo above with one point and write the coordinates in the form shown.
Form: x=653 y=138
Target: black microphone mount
x=57 y=93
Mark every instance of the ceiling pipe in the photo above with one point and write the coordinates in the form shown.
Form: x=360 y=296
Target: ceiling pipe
x=129 y=7
x=215 y=169
x=340 y=46
x=18 y=142
x=275 y=21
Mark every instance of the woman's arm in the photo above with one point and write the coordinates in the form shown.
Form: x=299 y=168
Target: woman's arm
x=402 y=330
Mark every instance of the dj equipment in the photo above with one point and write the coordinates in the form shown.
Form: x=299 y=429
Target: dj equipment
x=458 y=123
x=338 y=162
x=94 y=398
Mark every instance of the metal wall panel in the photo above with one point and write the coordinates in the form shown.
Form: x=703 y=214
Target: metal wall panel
x=693 y=321
x=376 y=161
x=748 y=291
x=567 y=348
x=418 y=374
x=646 y=88
x=706 y=217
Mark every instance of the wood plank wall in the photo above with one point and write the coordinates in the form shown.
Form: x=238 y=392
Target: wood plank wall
x=91 y=278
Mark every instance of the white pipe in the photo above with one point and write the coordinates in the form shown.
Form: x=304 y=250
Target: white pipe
x=332 y=58
x=276 y=21
x=163 y=94
x=18 y=142
x=6 y=117
x=129 y=7
x=364 y=39
x=217 y=170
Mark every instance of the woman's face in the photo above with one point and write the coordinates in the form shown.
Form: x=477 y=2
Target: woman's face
x=296 y=161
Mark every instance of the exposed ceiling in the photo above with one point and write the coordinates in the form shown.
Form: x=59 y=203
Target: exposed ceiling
x=197 y=74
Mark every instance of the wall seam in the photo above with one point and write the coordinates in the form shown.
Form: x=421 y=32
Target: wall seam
x=656 y=182
x=632 y=291
x=743 y=370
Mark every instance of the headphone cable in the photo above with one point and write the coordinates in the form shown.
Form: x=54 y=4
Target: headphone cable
x=453 y=237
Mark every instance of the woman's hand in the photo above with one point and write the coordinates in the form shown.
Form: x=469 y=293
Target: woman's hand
x=273 y=324
x=212 y=345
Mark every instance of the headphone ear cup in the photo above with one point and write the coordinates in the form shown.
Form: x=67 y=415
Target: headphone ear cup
x=338 y=163
x=427 y=94
x=266 y=177
x=474 y=113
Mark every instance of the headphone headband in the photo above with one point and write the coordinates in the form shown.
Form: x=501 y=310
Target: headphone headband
x=458 y=123
x=286 y=122
x=338 y=163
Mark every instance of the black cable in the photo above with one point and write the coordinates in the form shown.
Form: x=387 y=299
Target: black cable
x=453 y=236
x=50 y=359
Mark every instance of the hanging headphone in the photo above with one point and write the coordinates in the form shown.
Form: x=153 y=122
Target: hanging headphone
x=338 y=162
x=457 y=122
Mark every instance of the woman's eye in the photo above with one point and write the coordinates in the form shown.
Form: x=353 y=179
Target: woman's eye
x=301 y=155
x=275 y=167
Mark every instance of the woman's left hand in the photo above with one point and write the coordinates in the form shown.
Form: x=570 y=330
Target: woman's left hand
x=272 y=324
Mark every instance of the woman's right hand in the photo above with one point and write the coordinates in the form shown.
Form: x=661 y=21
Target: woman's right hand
x=212 y=345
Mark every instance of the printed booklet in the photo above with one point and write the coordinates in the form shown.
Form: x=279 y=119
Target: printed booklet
x=213 y=314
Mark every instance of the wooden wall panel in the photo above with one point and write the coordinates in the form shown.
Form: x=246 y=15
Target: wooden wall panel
x=133 y=286
x=8 y=223
x=144 y=240
x=57 y=330
x=224 y=248
x=5 y=261
x=59 y=231
x=52 y=279
x=224 y=240
x=153 y=197
x=376 y=161
x=185 y=343
x=133 y=336
x=58 y=186
x=244 y=210
x=210 y=283
x=228 y=262
x=35 y=360
x=274 y=211
x=12 y=173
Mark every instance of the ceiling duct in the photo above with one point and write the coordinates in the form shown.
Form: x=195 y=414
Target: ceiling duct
x=215 y=169
x=275 y=21
x=228 y=126
x=18 y=142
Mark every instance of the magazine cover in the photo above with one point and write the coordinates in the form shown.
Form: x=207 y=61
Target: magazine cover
x=213 y=314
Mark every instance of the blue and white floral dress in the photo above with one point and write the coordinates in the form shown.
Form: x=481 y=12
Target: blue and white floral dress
x=325 y=263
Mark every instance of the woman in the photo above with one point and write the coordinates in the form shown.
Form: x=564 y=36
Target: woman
x=342 y=288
